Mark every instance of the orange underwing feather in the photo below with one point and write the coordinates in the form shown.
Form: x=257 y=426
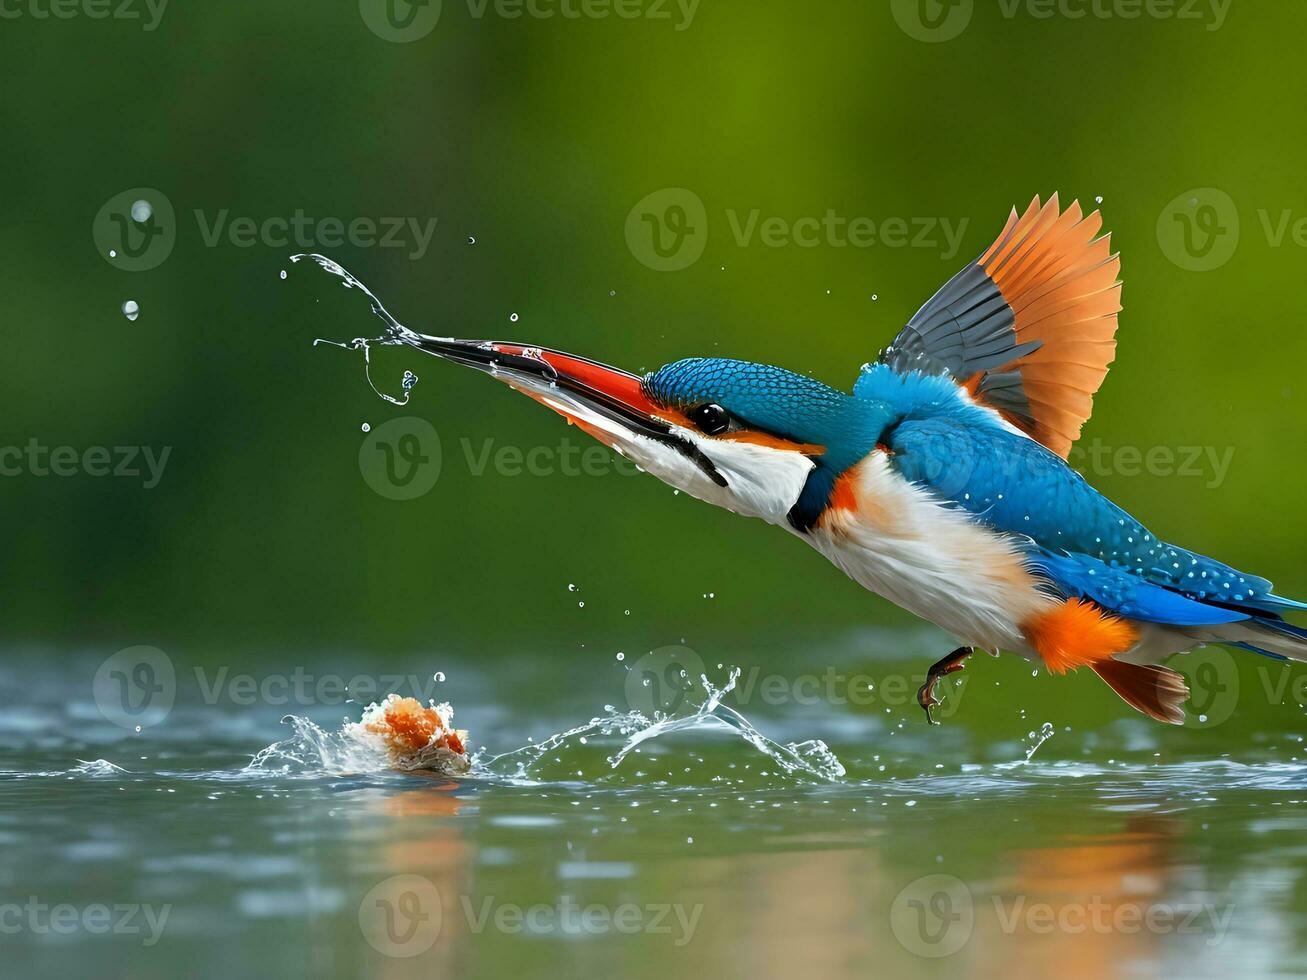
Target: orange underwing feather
x=1078 y=633
x=1061 y=283
x=1158 y=692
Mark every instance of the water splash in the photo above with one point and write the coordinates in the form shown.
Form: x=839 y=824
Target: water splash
x=1038 y=739
x=604 y=744
x=395 y=333
x=390 y=735
x=811 y=758
x=95 y=767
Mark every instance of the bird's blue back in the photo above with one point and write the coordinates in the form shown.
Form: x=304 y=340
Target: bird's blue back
x=1077 y=538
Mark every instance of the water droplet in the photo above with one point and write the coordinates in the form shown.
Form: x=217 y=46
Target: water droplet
x=471 y=239
x=513 y=317
x=874 y=297
x=410 y=379
x=439 y=677
x=1099 y=199
x=283 y=273
x=138 y=729
x=141 y=211
x=113 y=253
x=571 y=586
x=626 y=612
x=581 y=604
x=366 y=427
x=612 y=292
x=131 y=309
x=621 y=656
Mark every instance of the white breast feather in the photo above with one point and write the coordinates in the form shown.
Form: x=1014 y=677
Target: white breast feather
x=932 y=559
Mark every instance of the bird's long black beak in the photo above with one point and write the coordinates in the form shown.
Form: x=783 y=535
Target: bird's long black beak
x=586 y=392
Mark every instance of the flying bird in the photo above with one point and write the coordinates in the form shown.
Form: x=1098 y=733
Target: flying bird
x=940 y=481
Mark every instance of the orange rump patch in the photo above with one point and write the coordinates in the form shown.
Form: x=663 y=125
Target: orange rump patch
x=1078 y=633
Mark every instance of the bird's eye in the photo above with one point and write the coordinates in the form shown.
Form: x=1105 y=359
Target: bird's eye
x=711 y=419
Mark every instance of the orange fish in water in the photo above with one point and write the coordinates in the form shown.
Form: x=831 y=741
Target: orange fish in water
x=417 y=736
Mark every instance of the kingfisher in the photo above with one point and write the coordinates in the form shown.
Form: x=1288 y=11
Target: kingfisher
x=940 y=480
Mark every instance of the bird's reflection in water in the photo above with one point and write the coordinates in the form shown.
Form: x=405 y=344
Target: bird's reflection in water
x=414 y=911
x=1091 y=906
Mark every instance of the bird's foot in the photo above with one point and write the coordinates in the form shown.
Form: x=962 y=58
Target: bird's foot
x=926 y=693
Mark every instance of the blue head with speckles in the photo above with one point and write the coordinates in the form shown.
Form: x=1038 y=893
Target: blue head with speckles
x=724 y=398
x=755 y=396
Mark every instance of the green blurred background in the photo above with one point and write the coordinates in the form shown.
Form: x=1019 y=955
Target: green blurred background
x=538 y=137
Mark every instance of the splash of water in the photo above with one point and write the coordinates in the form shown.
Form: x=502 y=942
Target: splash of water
x=395 y=333
x=356 y=748
x=1037 y=739
x=95 y=767
x=811 y=758
x=371 y=744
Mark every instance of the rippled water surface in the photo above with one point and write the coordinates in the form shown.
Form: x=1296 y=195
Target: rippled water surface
x=767 y=835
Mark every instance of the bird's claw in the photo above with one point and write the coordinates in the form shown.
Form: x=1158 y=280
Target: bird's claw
x=926 y=693
x=926 y=697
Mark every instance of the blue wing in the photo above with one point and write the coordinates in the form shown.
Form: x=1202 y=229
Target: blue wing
x=1079 y=540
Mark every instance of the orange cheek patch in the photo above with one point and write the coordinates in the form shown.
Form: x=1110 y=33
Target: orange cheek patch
x=1078 y=633
x=773 y=442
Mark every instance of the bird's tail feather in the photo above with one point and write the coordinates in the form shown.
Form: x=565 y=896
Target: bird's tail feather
x=1158 y=692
